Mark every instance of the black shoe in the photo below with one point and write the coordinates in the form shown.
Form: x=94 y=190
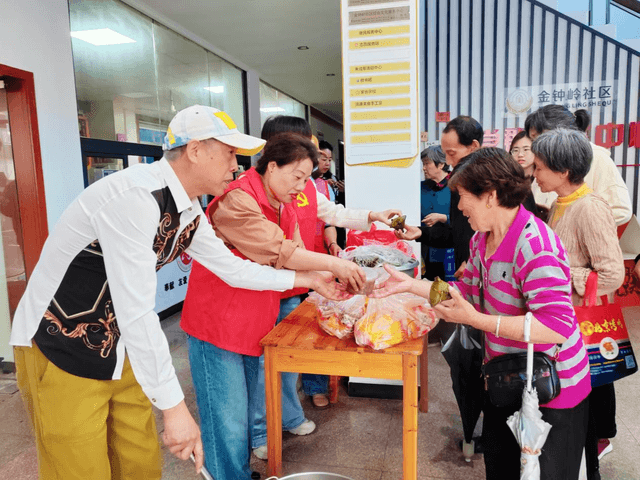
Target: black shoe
x=255 y=476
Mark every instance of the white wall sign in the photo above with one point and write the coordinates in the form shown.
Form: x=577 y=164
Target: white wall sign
x=379 y=67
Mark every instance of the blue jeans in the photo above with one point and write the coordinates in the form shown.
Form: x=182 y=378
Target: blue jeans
x=292 y=413
x=314 y=384
x=224 y=382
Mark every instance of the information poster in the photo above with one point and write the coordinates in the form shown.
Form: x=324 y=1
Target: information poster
x=380 y=81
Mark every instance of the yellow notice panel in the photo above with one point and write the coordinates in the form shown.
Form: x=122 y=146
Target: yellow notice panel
x=372 y=91
x=382 y=43
x=380 y=127
x=380 y=67
x=383 y=102
x=371 y=32
x=381 y=114
x=389 y=137
x=377 y=79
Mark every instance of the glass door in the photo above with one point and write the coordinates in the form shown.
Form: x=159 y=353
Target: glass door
x=12 y=266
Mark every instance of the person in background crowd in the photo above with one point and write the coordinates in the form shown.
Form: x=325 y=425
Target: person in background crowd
x=225 y=324
x=603 y=177
x=435 y=204
x=520 y=149
x=310 y=208
x=87 y=316
x=326 y=235
x=584 y=222
x=333 y=236
x=517 y=267
x=583 y=120
x=461 y=136
x=326 y=149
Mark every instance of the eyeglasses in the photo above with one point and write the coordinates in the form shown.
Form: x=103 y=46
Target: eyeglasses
x=516 y=151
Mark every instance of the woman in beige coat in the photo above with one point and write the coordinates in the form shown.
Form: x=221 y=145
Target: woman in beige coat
x=585 y=223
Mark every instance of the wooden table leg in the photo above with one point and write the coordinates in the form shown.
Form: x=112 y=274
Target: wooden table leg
x=273 y=387
x=334 y=382
x=409 y=417
x=424 y=376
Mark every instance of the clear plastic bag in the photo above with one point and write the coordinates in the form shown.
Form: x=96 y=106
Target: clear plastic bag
x=376 y=255
x=392 y=320
x=338 y=318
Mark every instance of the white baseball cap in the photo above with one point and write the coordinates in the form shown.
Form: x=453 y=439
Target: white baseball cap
x=201 y=123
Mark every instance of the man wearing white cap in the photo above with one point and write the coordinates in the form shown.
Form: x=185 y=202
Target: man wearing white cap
x=91 y=356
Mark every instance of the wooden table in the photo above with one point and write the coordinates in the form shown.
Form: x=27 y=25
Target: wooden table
x=298 y=344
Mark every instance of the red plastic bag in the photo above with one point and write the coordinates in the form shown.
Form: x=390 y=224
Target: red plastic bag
x=606 y=337
x=357 y=238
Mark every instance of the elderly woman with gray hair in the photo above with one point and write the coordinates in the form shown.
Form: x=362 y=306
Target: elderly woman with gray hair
x=435 y=202
x=585 y=223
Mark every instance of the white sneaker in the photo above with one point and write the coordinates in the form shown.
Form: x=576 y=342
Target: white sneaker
x=305 y=428
x=261 y=452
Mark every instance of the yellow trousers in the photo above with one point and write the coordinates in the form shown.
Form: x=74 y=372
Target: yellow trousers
x=85 y=428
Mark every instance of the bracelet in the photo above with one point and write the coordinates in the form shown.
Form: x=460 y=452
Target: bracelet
x=498 y=326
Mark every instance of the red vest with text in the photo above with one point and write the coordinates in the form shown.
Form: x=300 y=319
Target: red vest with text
x=232 y=318
x=306 y=208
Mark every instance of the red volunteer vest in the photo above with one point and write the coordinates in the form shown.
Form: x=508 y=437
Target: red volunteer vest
x=231 y=318
x=306 y=208
x=323 y=188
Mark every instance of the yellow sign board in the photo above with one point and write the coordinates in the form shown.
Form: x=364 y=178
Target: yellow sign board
x=380 y=127
x=382 y=43
x=380 y=114
x=373 y=91
x=377 y=79
x=378 y=31
x=386 y=138
x=380 y=67
x=383 y=102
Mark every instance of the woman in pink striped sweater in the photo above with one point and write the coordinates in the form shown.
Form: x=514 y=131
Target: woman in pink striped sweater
x=517 y=265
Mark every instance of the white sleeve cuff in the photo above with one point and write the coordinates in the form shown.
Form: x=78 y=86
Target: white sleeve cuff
x=166 y=396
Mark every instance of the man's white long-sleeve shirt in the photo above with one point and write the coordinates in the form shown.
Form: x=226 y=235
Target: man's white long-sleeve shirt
x=91 y=296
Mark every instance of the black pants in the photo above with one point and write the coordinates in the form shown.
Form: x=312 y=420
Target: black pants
x=602 y=424
x=561 y=454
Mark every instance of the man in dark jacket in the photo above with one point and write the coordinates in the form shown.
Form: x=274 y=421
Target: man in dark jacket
x=462 y=136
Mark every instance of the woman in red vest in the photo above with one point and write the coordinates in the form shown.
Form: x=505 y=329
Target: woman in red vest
x=255 y=219
x=311 y=210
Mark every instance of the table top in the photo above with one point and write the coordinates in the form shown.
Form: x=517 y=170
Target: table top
x=300 y=330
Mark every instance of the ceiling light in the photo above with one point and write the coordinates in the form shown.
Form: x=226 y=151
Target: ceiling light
x=303 y=47
x=218 y=89
x=331 y=74
x=102 y=36
x=272 y=109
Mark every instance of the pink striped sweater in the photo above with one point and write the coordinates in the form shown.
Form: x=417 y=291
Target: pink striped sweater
x=530 y=272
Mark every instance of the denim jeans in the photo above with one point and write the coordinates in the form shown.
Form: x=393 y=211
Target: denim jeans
x=292 y=413
x=224 y=382
x=314 y=384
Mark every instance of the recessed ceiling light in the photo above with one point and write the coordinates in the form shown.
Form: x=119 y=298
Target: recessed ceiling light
x=101 y=37
x=331 y=74
x=217 y=89
x=272 y=109
x=303 y=47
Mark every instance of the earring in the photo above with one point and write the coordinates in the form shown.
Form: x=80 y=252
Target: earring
x=488 y=206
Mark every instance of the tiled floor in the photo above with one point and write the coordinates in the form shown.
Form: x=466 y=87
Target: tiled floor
x=360 y=438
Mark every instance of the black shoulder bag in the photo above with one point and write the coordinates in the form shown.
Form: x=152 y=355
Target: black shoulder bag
x=505 y=376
